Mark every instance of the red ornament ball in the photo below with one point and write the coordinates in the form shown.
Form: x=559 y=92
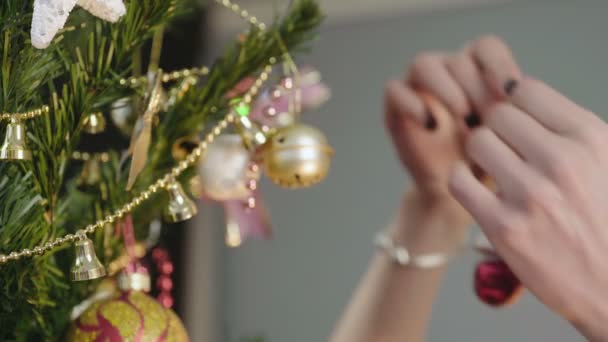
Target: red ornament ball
x=495 y=283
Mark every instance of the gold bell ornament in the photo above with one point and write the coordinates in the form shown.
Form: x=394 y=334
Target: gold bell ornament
x=296 y=156
x=86 y=266
x=94 y=123
x=15 y=142
x=180 y=207
x=90 y=174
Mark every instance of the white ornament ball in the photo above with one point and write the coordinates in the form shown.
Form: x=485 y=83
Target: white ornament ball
x=225 y=169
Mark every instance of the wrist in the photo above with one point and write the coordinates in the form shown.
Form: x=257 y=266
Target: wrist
x=591 y=322
x=430 y=224
x=444 y=206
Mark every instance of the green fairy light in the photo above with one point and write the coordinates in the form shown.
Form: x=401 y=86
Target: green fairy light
x=240 y=107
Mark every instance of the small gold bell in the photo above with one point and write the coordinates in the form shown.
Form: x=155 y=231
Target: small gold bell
x=90 y=174
x=180 y=207
x=94 y=123
x=86 y=266
x=15 y=142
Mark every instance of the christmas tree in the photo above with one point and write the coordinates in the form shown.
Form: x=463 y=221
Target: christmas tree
x=97 y=136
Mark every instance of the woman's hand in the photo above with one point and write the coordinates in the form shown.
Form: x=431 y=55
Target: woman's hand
x=394 y=303
x=428 y=131
x=548 y=218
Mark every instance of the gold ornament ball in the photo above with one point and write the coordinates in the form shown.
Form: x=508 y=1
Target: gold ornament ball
x=297 y=156
x=127 y=316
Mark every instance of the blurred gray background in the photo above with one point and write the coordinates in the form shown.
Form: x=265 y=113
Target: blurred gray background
x=293 y=288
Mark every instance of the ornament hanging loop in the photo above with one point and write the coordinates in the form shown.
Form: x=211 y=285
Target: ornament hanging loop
x=252 y=134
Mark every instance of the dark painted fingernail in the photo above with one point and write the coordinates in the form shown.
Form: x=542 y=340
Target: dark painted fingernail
x=510 y=86
x=431 y=123
x=473 y=120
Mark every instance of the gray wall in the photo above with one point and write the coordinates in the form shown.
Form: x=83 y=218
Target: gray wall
x=294 y=287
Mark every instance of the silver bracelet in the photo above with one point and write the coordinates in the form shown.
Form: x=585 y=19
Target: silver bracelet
x=402 y=257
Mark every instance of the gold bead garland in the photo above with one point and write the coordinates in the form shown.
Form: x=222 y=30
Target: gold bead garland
x=84 y=156
x=25 y=115
x=167 y=77
x=160 y=183
x=242 y=13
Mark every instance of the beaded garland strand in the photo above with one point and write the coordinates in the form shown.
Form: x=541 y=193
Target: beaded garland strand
x=25 y=115
x=169 y=177
x=159 y=184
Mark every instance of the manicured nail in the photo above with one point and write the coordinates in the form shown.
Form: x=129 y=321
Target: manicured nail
x=510 y=86
x=473 y=120
x=431 y=123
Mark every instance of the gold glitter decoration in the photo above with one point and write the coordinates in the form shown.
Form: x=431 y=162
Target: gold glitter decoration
x=128 y=316
x=177 y=331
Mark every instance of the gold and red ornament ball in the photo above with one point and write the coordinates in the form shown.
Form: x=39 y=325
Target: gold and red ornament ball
x=131 y=316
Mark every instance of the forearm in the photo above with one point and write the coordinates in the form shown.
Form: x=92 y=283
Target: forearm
x=392 y=302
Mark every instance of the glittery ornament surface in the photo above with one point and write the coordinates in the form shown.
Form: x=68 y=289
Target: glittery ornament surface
x=128 y=316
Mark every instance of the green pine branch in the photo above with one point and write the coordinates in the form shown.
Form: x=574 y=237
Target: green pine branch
x=78 y=74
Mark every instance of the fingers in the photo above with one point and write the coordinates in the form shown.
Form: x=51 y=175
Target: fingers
x=401 y=102
x=528 y=138
x=498 y=160
x=437 y=113
x=476 y=198
x=497 y=63
x=468 y=76
x=550 y=108
x=429 y=72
